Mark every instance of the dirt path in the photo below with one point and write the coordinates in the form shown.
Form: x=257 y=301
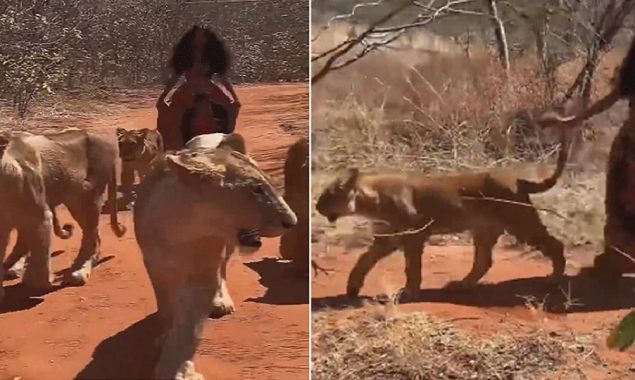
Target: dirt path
x=509 y=301
x=103 y=330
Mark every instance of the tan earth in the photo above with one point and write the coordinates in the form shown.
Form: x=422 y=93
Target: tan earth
x=503 y=304
x=104 y=329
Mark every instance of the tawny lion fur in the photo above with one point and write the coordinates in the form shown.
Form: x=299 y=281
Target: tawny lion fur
x=77 y=166
x=407 y=208
x=220 y=192
x=295 y=243
x=24 y=207
x=139 y=150
x=222 y=302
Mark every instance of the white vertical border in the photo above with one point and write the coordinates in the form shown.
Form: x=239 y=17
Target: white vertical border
x=310 y=205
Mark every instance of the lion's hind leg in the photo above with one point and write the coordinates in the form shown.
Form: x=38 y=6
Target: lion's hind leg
x=485 y=238
x=526 y=225
x=86 y=212
x=413 y=252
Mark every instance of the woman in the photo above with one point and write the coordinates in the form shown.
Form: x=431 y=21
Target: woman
x=198 y=58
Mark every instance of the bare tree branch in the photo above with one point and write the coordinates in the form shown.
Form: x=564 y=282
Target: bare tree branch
x=352 y=43
x=501 y=37
x=375 y=36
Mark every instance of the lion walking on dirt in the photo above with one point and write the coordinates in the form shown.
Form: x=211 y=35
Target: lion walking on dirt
x=221 y=194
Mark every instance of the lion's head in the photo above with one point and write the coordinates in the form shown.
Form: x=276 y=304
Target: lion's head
x=338 y=199
x=132 y=143
x=230 y=195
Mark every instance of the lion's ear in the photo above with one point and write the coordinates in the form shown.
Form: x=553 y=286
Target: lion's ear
x=192 y=170
x=235 y=142
x=120 y=131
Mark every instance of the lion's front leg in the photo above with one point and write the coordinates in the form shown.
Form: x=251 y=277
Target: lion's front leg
x=381 y=247
x=15 y=262
x=181 y=340
x=222 y=303
x=37 y=274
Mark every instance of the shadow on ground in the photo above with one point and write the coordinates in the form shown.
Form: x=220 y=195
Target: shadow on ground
x=19 y=297
x=284 y=287
x=576 y=294
x=129 y=354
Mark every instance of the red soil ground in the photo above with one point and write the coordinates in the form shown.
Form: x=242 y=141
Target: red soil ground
x=105 y=329
x=498 y=306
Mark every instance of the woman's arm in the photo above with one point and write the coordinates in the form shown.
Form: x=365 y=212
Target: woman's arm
x=228 y=85
x=171 y=83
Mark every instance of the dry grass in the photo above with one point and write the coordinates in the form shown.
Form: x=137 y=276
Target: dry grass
x=417 y=346
x=76 y=109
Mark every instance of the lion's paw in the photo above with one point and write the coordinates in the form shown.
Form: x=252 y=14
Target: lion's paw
x=79 y=277
x=16 y=271
x=188 y=372
x=221 y=306
x=406 y=295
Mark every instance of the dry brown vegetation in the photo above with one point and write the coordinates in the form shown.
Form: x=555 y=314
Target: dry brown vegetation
x=53 y=46
x=417 y=346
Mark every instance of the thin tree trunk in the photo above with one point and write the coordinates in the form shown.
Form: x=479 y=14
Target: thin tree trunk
x=501 y=37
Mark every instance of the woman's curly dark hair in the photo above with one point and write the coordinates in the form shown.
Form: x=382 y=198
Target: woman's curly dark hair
x=626 y=85
x=215 y=54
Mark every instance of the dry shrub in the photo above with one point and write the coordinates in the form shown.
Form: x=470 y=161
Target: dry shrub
x=445 y=112
x=417 y=346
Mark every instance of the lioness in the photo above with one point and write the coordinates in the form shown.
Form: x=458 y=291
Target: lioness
x=138 y=151
x=222 y=303
x=77 y=165
x=295 y=243
x=414 y=206
x=220 y=193
x=24 y=206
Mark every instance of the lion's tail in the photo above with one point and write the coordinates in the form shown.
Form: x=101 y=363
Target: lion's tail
x=530 y=187
x=63 y=232
x=118 y=228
